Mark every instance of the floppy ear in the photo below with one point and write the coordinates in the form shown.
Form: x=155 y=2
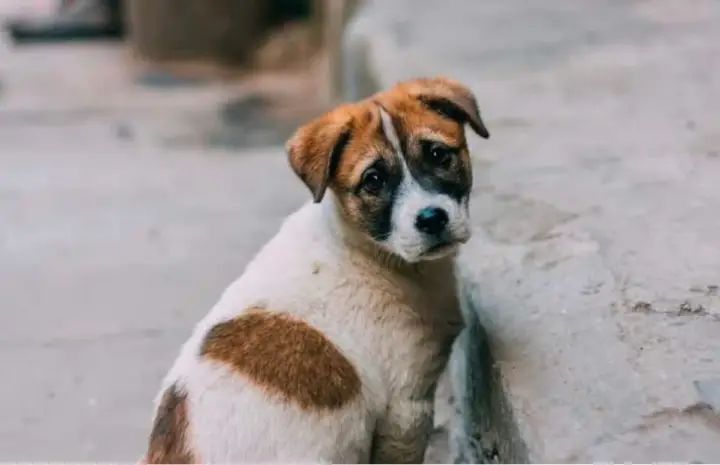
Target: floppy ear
x=451 y=99
x=314 y=151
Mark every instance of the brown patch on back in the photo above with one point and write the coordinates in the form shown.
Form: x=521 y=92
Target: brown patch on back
x=285 y=356
x=168 y=439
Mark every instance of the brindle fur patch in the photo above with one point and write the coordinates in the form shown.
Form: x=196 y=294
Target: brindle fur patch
x=286 y=357
x=169 y=437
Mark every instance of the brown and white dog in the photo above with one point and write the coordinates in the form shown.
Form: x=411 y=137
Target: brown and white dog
x=329 y=346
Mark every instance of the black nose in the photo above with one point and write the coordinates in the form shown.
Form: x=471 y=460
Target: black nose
x=431 y=220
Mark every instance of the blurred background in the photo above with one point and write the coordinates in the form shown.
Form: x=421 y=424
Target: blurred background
x=141 y=167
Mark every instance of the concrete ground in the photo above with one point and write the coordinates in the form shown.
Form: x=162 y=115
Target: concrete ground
x=595 y=263
x=128 y=201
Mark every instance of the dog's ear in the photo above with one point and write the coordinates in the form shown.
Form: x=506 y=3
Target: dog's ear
x=314 y=150
x=451 y=99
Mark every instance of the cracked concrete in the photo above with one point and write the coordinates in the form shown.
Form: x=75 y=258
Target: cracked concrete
x=594 y=267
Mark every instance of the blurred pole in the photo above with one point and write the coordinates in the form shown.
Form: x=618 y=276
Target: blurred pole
x=333 y=15
x=220 y=30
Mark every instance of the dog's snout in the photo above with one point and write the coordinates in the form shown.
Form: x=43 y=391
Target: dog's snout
x=431 y=220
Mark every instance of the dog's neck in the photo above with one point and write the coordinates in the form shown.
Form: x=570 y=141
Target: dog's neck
x=353 y=239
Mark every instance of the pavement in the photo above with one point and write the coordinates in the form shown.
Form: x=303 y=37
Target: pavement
x=594 y=266
x=129 y=198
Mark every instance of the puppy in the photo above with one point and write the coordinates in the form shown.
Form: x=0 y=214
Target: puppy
x=329 y=346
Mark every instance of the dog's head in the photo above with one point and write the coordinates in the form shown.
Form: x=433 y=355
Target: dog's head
x=398 y=164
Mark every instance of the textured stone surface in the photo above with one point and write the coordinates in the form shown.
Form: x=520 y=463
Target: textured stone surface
x=595 y=266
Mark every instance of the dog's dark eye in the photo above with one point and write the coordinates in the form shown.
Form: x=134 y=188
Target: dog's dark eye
x=373 y=180
x=439 y=155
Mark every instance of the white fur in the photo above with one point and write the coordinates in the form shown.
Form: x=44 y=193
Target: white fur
x=393 y=322
x=405 y=240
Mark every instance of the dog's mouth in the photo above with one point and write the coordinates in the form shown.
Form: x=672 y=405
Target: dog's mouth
x=439 y=250
x=444 y=247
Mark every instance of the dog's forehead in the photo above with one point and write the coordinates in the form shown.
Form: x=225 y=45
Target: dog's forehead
x=412 y=118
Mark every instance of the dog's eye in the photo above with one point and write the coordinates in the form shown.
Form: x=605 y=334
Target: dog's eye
x=373 y=180
x=441 y=156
